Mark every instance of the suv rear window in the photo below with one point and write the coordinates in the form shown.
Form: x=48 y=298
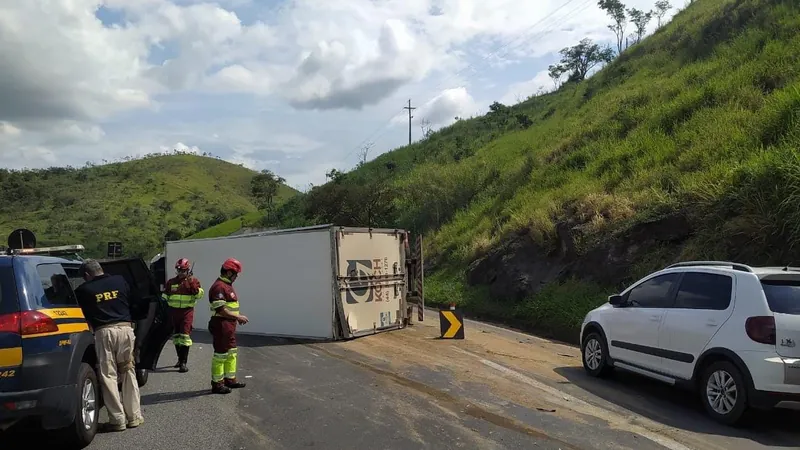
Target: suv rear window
x=8 y=291
x=783 y=296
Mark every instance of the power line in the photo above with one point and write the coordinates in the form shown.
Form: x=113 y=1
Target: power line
x=524 y=36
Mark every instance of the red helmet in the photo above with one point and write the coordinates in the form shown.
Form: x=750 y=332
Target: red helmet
x=182 y=264
x=232 y=264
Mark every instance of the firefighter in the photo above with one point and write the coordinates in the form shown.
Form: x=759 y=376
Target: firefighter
x=222 y=326
x=182 y=293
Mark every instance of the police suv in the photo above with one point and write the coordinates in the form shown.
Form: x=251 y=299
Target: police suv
x=48 y=366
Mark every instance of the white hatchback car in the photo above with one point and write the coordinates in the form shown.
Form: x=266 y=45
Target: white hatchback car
x=727 y=330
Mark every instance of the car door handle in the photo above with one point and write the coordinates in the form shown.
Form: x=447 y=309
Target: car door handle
x=655 y=318
x=711 y=323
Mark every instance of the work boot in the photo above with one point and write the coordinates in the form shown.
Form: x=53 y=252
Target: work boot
x=219 y=388
x=178 y=351
x=184 y=358
x=233 y=384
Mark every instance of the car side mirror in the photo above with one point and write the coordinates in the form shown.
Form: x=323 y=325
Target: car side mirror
x=616 y=300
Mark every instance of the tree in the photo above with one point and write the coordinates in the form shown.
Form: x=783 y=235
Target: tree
x=555 y=71
x=582 y=58
x=172 y=235
x=640 y=19
x=335 y=175
x=616 y=10
x=425 y=127
x=662 y=6
x=264 y=188
x=364 y=152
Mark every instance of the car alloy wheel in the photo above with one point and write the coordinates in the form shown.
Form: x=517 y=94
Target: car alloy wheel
x=721 y=392
x=593 y=354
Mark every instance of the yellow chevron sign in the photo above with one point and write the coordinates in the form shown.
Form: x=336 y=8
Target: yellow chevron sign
x=451 y=324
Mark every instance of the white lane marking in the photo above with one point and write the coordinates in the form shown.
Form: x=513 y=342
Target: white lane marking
x=571 y=402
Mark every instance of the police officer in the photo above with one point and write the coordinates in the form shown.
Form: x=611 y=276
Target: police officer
x=182 y=293
x=105 y=301
x=222 y=326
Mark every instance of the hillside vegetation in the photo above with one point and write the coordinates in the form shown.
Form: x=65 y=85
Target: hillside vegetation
x=683 y=146
x=136 y=202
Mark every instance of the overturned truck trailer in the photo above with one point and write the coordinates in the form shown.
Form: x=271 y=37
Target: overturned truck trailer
x=323 y=282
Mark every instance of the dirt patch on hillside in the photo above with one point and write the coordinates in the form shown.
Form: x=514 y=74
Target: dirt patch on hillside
x=519 y=268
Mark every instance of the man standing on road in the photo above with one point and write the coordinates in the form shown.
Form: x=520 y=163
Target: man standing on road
x=222 y=326
x=105 y=301
x=182 y=293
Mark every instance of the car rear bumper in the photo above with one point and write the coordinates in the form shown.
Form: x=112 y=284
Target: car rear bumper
x=772 y=372
x=776 y=380
x=54 y=406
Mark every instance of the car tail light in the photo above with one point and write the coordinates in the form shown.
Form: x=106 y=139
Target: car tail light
x=9 y=323
x=761 y=329
x=27 y=322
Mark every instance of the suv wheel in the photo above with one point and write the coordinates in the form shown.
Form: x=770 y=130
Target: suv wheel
x=82 y=431
x=594 y=353
x=723 y=392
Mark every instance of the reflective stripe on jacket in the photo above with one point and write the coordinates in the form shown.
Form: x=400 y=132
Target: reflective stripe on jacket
x=220 y=294
x=180 y=296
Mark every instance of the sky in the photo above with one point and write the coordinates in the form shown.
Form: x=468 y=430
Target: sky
x=295 y=86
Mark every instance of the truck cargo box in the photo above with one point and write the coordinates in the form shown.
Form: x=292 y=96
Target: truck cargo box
x=322 y=282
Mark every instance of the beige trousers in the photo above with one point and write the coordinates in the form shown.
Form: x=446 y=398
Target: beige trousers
x=114 y=347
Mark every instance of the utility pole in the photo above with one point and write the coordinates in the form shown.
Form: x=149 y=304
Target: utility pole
x=409 y=108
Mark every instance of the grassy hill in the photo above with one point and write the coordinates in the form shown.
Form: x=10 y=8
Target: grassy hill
x=685 y=146
x=229 y=226
x=136 y=202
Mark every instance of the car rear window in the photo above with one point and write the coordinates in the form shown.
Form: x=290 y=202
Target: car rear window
x=8 y=291
x=783 y=296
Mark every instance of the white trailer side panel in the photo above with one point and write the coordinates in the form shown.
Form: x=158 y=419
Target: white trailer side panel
x=371 y=271
x=285 y=288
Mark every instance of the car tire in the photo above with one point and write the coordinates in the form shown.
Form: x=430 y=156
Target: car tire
x=141 y=376
x=87 y=412
x=594 y=353
x=724 y=392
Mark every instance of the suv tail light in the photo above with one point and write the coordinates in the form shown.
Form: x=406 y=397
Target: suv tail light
x=9 y=323
x=26 y=323
x=761 y=329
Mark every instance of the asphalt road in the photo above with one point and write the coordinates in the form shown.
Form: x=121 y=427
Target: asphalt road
x=405 y=389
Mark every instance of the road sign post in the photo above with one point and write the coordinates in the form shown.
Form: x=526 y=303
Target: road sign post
x=115 y=249
x=451 y=323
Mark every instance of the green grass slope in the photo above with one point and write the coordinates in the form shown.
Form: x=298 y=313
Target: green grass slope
x=701 y=117
x=136 y=202
x=229 y=226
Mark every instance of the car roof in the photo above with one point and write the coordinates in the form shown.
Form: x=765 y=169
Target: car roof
x=733 y=267
x=5 y=260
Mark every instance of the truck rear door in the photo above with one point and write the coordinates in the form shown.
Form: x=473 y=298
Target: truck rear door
x=10 y=339
x=371 y=279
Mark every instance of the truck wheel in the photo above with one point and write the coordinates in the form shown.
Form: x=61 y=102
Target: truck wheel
x=82 y=431
x=723 y=393
x=141 y=376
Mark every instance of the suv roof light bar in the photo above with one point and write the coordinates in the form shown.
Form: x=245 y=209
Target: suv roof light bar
x=733 y=265
x=51 y=251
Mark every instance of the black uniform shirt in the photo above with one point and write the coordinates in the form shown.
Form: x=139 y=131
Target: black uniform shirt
x=105 y=300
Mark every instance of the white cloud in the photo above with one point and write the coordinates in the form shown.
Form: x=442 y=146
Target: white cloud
x=180 y=147
x=518 y=92
x=443 y=109
x=75 y=88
